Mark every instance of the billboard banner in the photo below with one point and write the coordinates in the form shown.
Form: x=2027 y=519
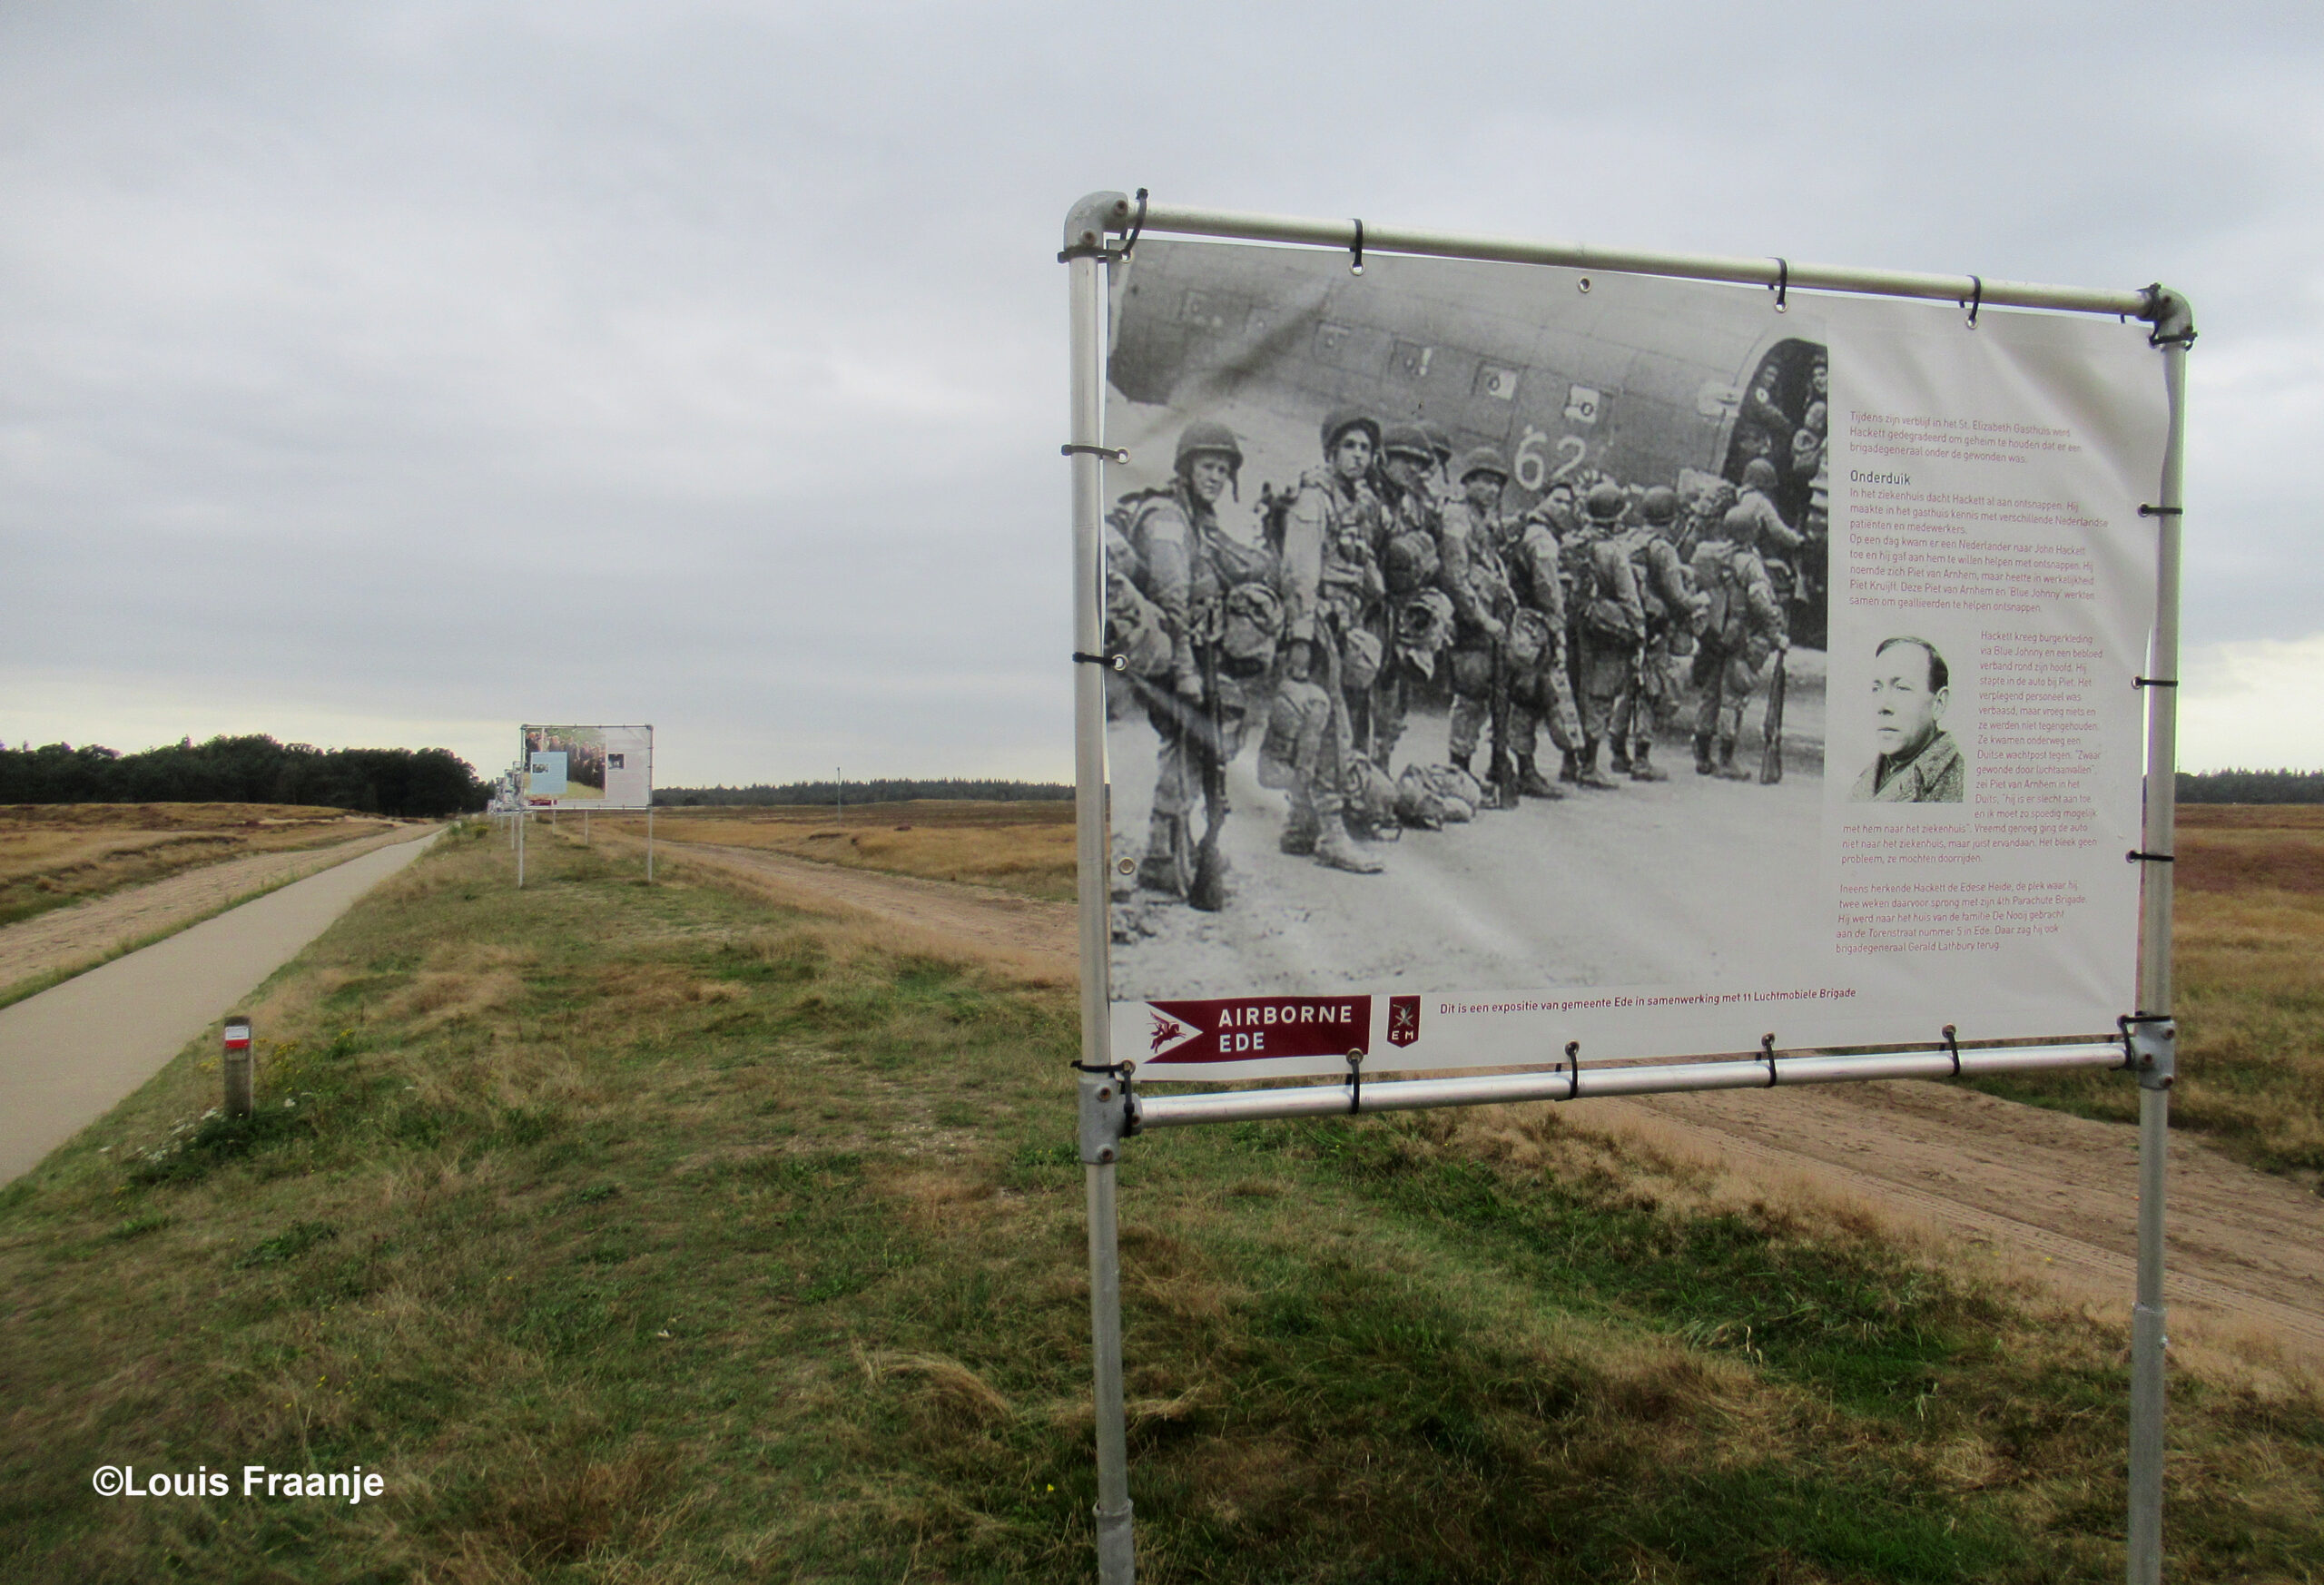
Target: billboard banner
x=587 y=767
x=1512 y=658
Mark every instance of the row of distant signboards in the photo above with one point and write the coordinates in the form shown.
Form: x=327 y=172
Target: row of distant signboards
x=587 y=767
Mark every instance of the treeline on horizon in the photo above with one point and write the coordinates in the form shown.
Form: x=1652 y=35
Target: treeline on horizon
x=2251 y=786
x=407 y=783
x=885 y=791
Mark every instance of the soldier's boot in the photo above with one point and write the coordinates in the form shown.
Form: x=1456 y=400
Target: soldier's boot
x=1336 y=849
x=1299 y=831
x=1642 y=766
x=1703 y=766
x=1590 y=776
x=1461 y=761
x=1729 y=769
x=1159 y=871
x=1571 y=772
x=1618 y=758
x=1532 y=783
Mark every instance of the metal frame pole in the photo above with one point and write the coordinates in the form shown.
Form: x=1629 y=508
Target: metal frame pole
x=1101 y=1100
x=649 y=840
x=524 y=819
x=2154 y=1036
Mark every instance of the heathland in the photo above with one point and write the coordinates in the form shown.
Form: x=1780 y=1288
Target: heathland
x=663 y=1233
x=2248 y=951
x=53 y=854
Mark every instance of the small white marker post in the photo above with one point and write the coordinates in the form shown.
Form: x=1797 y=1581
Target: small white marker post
x=240 y=1086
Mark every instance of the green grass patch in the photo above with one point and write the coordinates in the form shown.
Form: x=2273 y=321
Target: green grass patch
x=637 y=1233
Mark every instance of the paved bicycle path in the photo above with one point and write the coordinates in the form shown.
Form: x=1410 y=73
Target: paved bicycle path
x=70 y=1054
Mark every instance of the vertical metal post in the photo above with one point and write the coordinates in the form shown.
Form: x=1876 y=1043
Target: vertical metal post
x=1102 y=1103
x=2173 y=328
x=240 y=1083
x=649 y=843
x=522 y=818
x=585 y=828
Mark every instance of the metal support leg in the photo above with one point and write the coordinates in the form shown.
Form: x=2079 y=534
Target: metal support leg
x=2147 y=1342
x=1116 y=1558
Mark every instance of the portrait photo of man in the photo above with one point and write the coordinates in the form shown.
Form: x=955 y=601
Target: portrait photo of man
x=1917 y=762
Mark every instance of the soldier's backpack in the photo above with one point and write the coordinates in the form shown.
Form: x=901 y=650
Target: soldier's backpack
x=1371 y=796
x=1360 y=662
x=1457 y=788
x=1250 y=625
x=1134 y=626
x=1529 y=639
x=1417 y=802
x=1410 y=561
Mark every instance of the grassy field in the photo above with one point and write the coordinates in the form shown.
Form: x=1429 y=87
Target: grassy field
x=52 y=854
x=2250 y=949
x=650 y=1234
x=1024 y=847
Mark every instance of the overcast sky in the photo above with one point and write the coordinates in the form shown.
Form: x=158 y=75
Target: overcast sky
x=397 y=372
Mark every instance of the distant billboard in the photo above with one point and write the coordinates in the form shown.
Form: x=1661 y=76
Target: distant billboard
x=587 y=767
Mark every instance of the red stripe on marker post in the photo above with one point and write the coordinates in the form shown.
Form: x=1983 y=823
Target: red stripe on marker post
x=241 y=1082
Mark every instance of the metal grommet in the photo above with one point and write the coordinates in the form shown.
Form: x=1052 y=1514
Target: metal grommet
x=1127 y=866
x=1582 y=285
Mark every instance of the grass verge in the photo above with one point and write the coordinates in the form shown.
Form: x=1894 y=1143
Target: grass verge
x=640 y=1233
x=1021 y=846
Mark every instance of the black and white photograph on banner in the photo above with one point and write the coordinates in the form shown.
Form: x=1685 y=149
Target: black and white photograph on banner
x=1457 y=598
x=1471 y=634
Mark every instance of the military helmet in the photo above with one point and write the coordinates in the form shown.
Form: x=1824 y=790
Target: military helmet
x=1484 y=459
x=1758 y=474
x=1739 y=525
x=1439 y=442
x=1340 y=420
x=1659 y=506
x=1411 y=440
x=1605 y=502
x=1209 y=435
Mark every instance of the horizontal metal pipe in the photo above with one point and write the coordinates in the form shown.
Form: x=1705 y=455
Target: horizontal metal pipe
x=1173 y=1111
x=1743 y=270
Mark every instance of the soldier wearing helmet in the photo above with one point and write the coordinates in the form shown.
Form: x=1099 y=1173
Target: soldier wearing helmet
x=1333 y=593
x=1426 y=549
x=1446 y=488
x=1609 y=616
x=1219 y=604
x=1668 y=595
x=1754 y=520
x=1743 y=625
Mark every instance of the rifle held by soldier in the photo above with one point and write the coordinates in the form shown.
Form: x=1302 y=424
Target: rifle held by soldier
x=1771 y=756
x=1207 y=890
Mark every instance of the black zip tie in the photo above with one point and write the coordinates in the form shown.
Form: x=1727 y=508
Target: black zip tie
x=1953 y=1048
x=1355 y=263
x=2147 y=511
x=1110 y=453
x=2154 y=681
x=1137 y=224
x=1354 y=1082
x=1119 y=663
x=1574 y=1069
x=2135 y=857
x=1767 y=1050
x=1976 y=298
x=1783 y=286
x=2123 y=1023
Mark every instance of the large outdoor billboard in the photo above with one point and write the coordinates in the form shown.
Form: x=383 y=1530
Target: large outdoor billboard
x=1546 y=658
x=587 y=767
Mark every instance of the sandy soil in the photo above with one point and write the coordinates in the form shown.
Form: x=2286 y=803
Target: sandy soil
x=77 y=937
x=2049 y=1194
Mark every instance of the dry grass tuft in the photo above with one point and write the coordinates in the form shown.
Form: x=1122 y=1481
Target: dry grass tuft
x=954 y=1385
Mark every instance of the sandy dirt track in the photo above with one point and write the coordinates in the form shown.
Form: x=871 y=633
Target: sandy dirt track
x=2053 y=1193
x=75 y=938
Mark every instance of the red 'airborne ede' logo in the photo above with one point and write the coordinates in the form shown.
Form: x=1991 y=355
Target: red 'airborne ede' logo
x=1255 y=1027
